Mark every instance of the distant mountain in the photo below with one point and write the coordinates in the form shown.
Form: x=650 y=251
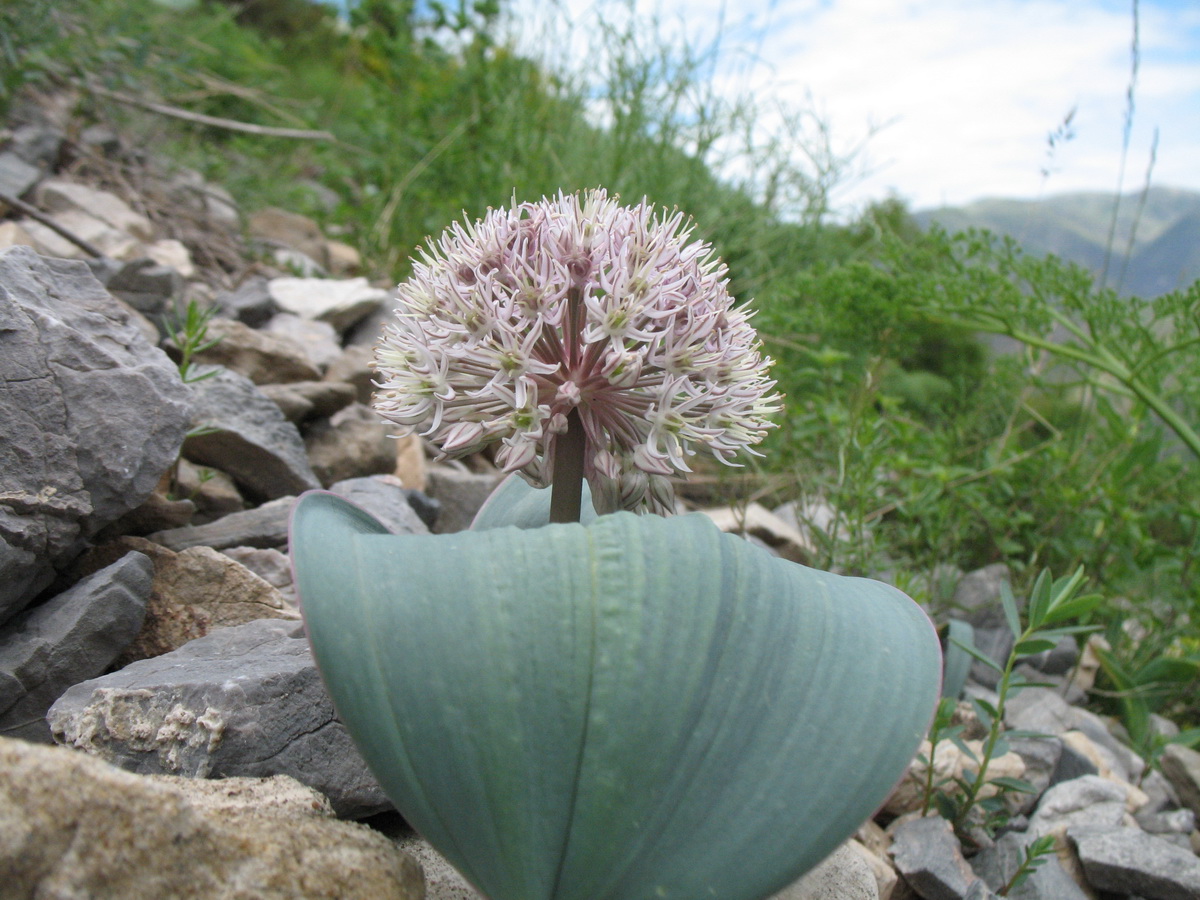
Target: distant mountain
x=1165 y=253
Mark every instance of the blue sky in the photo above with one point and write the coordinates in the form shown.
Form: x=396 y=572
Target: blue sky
x=958 y=96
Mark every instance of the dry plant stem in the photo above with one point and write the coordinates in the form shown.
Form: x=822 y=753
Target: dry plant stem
x=34 y=213
x=201 y=119
x=566 y=489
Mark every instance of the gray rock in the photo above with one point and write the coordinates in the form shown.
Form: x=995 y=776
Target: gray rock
x=263 y=357
x=240 y=701
x=997 y=864
x=1041 y=757
x=355 y=366
x=340 y=302
x=1044 y=710
x=1058 y=661
x=1161 y=793
x=270 y=565
x=16 y=175
x=70 y=638
x=37 y=145
x=1175 y=821
x=1090 y=800
x=978 y=596
x=1071 y=765
x=247 y=437
x=73 y=826
x=264 y=526
x=100 y=139
x=1181 y=766
x=928 y=855
x=303 y=400
x=1129 y=861
x=250 y=303
x=995 y=644
x=354 y=442
x=319 y=340
x=386 y=499
x=460 y=494
x=148 y=287
x=843 y=875
x=91 y=416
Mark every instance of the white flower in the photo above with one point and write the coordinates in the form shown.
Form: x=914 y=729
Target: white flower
x=576 y=303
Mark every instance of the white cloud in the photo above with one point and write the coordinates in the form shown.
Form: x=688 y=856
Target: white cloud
x=970 y=91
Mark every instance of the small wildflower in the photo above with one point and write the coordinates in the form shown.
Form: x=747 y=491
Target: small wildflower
x=509 y=324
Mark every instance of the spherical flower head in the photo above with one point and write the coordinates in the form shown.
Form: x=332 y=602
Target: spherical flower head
x=576 y=303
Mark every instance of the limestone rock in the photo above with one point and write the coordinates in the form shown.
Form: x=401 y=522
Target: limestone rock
x=1128 y=861
x=1181 y=765
x=303 y=400
x=57 y=195
x=928 y=855
x=843 y=875
x=196 y=591
x=171 y=254
x=281 y=228
x=240 y=701
x=264 y=526
x=460 y=494
x=344 y=261
x=250 y=302
x=110 y=241
x=758 y=521
x=340 y=302
x=38 y=145
x=270 y=565
x=352 y=443
x=355 y=365
x=442 y=880
x=999 y=863
x=319 y=340
x=978 y=596
x=211 y=491
x=262 y=356
x=248 y=438
x=157 y=512
x=73 y=826
x=148 y=287
x=16 y=176
x=387 y=500
x=68 y=639
x=67 y=352
x=13 y=235
x=1091 y=801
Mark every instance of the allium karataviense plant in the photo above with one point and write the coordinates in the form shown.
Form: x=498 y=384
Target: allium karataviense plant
x=624 y=706
x=592 y=340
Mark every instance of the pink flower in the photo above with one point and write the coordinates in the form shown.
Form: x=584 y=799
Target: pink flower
x=576 y=303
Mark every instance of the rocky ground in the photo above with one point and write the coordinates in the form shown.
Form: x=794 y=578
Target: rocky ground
x=148 y=625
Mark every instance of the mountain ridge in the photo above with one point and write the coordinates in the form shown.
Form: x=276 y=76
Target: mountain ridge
x=1155 y=244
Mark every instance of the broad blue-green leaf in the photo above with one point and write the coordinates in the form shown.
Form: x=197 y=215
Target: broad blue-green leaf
x=638 y=708
x=516 y=502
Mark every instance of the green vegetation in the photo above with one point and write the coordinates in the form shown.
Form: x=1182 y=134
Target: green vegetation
x=1074 y=445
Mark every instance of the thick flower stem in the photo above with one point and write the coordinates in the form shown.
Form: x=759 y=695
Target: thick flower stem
x=566 y=488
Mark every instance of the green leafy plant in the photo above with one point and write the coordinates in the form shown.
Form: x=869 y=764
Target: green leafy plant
x=1051 y=604
x=1034 y=854
x=189 y=334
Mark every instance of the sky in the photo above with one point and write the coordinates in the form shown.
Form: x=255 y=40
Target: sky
x=954 y=100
